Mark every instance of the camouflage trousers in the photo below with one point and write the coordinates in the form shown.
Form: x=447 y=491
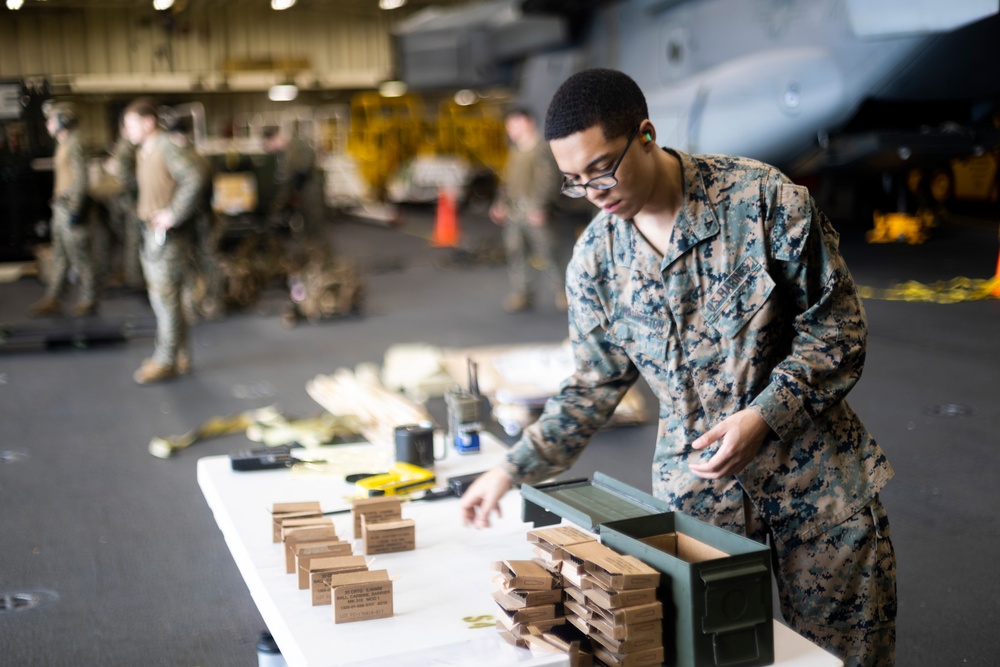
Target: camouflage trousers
x=525 y=245
x=839 y=589
x=166 y=268
x=71 y=248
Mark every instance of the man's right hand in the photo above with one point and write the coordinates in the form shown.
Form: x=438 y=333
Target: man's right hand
x=483 y=497
x=498 y=213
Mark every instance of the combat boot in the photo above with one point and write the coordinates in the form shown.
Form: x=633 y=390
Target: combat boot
x=151 y=372
x=85 y=308
x=183 y=363
x=516 y=302
x=47 y=307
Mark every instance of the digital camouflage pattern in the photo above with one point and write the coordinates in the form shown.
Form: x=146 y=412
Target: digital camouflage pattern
x=166 y=266
x=839 y=589
x=752 y=306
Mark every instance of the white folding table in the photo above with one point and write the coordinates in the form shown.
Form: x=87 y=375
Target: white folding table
x=442 y=605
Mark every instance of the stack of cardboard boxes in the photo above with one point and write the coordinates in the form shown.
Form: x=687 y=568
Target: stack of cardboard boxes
x=608 y=597
x=528 y=597
x=327 y=566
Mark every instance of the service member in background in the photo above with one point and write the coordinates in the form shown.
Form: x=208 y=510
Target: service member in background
x=523 y=207
x=719 y=282
x=121 y=207
x=70 y=229
x=168 y=187
x=202 y=296
x=299 y=194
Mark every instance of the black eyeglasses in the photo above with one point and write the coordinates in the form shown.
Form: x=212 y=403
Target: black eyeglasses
x=602 y=182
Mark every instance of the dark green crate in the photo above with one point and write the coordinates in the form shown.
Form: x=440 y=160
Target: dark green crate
x=717 y=612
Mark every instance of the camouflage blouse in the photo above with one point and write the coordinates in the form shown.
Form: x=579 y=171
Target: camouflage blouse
x=752 y=306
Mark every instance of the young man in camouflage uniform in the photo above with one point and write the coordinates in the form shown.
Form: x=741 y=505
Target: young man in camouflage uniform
x=168 y=183
x=523 y=208
x=70 y=229
x=720 y=282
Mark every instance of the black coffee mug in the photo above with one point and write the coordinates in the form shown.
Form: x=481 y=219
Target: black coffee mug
x=415 y=444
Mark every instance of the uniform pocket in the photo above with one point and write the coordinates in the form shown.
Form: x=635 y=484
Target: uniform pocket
x=740 y=296
x=639 y=339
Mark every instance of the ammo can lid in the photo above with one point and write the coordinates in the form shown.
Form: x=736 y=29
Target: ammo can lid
x=587 y=503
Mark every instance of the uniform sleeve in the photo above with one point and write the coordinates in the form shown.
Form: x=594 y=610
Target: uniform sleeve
x=188 y=178
x=77 y=191
x=830 y=330
x=586 y=400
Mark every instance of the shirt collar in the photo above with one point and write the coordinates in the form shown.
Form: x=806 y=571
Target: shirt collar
x=696 y=222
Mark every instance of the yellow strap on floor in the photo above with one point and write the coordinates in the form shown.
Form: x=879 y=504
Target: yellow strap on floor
x=955 y=290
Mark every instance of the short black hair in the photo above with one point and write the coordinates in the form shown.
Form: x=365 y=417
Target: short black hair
x=597 y=96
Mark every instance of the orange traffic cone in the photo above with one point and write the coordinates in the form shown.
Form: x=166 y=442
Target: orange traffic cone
x=996 y=280
x=446 y=233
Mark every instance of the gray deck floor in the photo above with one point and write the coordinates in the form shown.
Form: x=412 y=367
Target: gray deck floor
x=143 y=576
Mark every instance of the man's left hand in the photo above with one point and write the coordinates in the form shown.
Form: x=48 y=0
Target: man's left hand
x=739 y=436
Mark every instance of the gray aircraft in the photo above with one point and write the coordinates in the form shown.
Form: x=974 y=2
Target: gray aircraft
x=801 y=84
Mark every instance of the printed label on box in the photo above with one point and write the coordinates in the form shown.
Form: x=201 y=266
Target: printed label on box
x=376 y=510
x=387 y=537
x=323 y=569
x=301 y=536
x=307 y=551
x=361 y=596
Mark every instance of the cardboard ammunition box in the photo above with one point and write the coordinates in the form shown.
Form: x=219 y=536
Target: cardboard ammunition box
x=524 y=575
x=361 y=596
x=653 y=640
x=510 y=637
x=298 y=536
x=652 y=611
x=716 y=588
x=305 y=552
x=632 y=631
x=388 y=536
x=385 y=508
x=581 y=624
x=281 y=511
x=322 y=569
x=605 y=599
x=531 y=615
x=651 y=657
x=575 y=593
x=573 y=567
x=559 y=640
x=549 y=542
x=516 y=599
x=292 y=523
x=621 y=573
x=581 y=610
x=506 y=622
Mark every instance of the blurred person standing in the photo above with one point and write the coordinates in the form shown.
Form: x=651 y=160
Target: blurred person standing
x=523 y=207
x=121 y=208
x=202 y=296
x=70 y=230
x=168 y=187
x=300 y=184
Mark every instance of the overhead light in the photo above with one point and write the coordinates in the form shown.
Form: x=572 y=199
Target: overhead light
x=281 y=4
x=392 y=88
x=15 y=4
x=161 y=5
x=465 y=97
x=285 y=92
x=391 y=4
